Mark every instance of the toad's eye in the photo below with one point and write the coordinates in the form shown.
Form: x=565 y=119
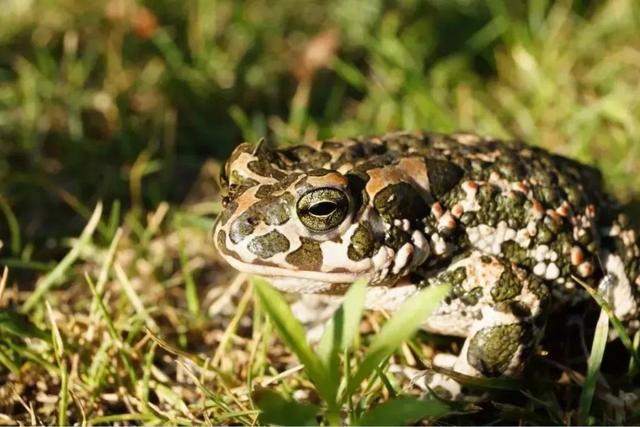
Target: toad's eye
x=322 y=209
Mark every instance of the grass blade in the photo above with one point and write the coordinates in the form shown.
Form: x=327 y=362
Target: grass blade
x=111 y=329
x=191 y=289
x=617 y=324
x=342 y=328
x=51 y=279
x=8 y=363
x=13 y=225
x=633 y=365
x=58 y=350
x=292 y=333
x=275 y=409
x=3 y=281
x=134 y=298
x=20 y=325
x=106 y=267
x=404 y=410
x=399 y=328
x=595 y=359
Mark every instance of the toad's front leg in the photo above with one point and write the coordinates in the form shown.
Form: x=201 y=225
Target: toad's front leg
x=501 y=311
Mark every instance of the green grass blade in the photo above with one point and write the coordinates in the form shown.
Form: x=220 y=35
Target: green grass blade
x=404 y=410
x=146 y=375
x=3 y=281
x=59 y=353
x=20 y=325
x=106 y=267
x=13 y=225
x=8 y=362
x=133 y=297
x=633 y=365
x=63 y=400
x=617 y=324
x=191 y=289
x=340 y=331
x=16 y=263
x=404 y=323
x=350 y=74
x=114 y=219
x=595 y=359
x=58 y=272
x=275 y=409
x=113 y=333
x=292 y=333
x=35 y=356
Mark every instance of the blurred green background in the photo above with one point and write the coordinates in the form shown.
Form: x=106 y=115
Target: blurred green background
x=99 y=96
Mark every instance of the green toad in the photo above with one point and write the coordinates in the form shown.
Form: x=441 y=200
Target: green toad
x=508 y=225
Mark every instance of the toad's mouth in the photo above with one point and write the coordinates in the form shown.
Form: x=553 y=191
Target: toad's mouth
x=275 y=272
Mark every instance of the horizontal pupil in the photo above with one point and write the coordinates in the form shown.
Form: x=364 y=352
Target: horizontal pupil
x=322 y=208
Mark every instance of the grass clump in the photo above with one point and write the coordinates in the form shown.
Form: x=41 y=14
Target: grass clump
x=337 y=386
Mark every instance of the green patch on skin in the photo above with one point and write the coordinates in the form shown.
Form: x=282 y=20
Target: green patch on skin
x=472 y=297
x=308 y=256
x=544 y=235
x=468 y=219
x=373 y=152
x=510 y=208
x=277 y=210
x=455 y=279
x=585 y=238
x=271 y=211
x=398 y=201
x=227 y=212
x=539 y=289
x=555 y=226
x=509 y=167
x=363 y=243
x=443 y=176
x=492 y=349
x=269 y=244
x=303 y=154
x=265 y=191
x=243 y=226
x=319 y=172
x=396 y=238
x=509 y=285
x=486 y=259
x=512 y=251
x=277 y=189
x=264 y=168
